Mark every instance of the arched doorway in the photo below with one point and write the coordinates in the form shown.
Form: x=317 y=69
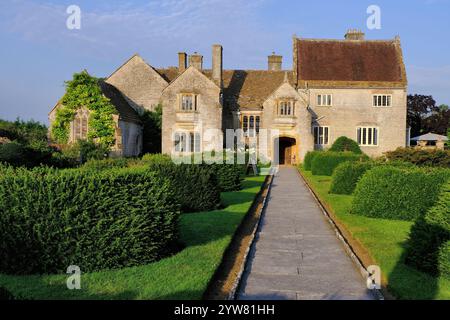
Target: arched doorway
x=285 y=150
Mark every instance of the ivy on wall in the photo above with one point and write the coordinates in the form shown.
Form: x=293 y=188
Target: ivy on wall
x=84 y=91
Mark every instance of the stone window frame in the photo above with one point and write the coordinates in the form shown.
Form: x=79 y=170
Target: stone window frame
x=194 y=101
x=317 y=137
x=379 y=102
x=320 y=100
x=281 y=109
x=248 y=129
x=187 y=141
x=80 y=125
x=369 y=139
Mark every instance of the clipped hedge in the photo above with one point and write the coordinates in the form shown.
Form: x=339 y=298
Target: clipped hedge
x=229 y=176
x=345 y=144
x=346 y=176
x=51 y=219
x=428 y=244
x=421 y=157
x=309 y=157
x=324 y=163
x=396 y=193
x=105 y=164
x=444 y=260
x=195 y=186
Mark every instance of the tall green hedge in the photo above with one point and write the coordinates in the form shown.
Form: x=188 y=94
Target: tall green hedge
x=346 y=176
x=397 y=193
x=345 y=144
x=52 y=219
x=307 y=162
x=421 y=157
x=195 y=186
x=324 y=163
x=428 y=247
x=229 y=176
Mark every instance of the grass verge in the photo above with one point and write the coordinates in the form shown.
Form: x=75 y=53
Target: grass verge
x=385 y=241
x=183 y=276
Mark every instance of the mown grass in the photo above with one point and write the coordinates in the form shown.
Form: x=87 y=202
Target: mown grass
x=184 y=275
x=385 y=240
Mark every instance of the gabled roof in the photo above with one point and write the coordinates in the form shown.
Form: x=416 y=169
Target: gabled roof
x=126 y=112
x=349 y=62
x=430 y=137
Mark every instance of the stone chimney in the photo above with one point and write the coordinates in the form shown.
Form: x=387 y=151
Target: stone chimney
x=182 y=61
x=354 y=34
x=196 y=60
x=274 y=62
x=217 y=63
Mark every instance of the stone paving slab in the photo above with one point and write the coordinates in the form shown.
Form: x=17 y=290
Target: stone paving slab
x=296 y=254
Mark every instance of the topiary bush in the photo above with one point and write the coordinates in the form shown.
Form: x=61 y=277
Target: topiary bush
x=324 y=163
x=346 y=176
x=444 y=260
x=307 y=162
x=156 y=158
x=345 y=144
x=421 y=157
x=195 y=186
x=229 y=176
x=396 y=193
x=427 y=246
x=52 y=219
x=99 y=165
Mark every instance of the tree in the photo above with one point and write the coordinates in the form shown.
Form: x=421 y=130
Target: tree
x=418 y=108
x=152 y=122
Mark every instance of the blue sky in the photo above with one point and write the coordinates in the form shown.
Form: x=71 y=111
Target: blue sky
x=38 y=53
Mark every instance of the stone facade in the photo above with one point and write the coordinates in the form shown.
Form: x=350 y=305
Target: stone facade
x=352 y=87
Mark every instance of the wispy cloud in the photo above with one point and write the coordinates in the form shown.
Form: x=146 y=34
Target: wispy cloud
x=151 y=26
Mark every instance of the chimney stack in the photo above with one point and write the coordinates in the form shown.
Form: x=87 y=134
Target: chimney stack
x=217 y=63
x=274 y=62
x=196 y=60
x=354 y=34
x=182 y=61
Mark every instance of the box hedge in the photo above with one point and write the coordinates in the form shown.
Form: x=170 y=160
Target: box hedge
x=345 y=144
x=229 y=176
x=346 y=176
x=307 y=162
x=428 y=244
x=324 y=163
x=397 y=193
x=195 y=186
x=52 y=219
x=421 y=157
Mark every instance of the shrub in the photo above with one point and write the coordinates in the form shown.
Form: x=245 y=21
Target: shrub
x=421 y=157
x=310 y=155
x=229 y=176
x=51 y=219
x=156 y=158
x=346 y=176
x=396 y=193
x=345 y=144
x=325 y=162
x=427 y=246
x=99 y=165
x=195 y=186
x=444 y=260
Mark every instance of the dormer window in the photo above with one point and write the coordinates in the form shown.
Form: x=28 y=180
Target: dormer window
x=286 y=108
x=188 y=102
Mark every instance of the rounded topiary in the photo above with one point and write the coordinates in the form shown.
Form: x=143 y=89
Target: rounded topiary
x=346 y=176
x=324 y=163
x=310 y=155
x=345 y=144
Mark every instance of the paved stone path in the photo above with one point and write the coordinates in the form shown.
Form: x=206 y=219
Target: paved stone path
x=296 y=254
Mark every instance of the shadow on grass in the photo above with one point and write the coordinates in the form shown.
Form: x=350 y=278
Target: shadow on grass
x=406 y=282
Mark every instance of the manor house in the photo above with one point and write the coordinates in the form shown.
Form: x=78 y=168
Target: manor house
x=350 y=87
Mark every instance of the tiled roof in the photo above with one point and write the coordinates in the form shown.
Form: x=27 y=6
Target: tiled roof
x=350 y=62
x=243 y=89
x=126 y=112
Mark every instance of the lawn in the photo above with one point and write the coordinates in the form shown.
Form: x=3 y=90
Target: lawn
x=384 y=240
x=181 y=276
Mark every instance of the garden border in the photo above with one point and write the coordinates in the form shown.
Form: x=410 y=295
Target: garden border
x=225 y=282
x=355 y=251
